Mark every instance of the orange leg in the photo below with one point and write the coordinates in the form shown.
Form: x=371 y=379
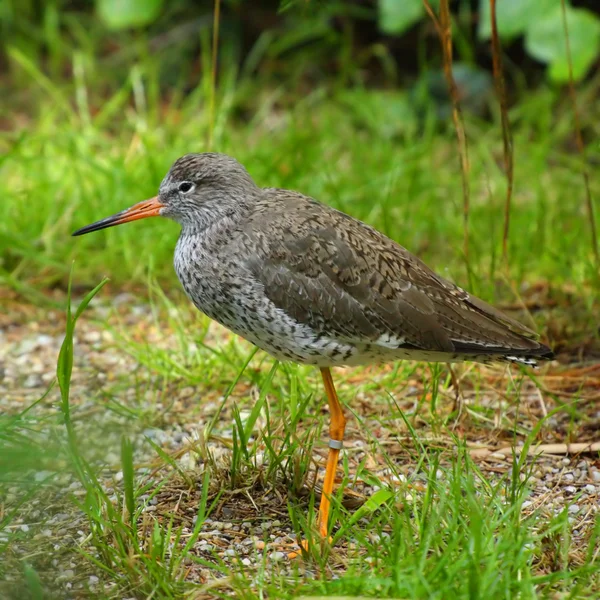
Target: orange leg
x=336 y=432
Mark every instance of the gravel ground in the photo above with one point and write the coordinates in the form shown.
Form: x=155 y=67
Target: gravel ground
x=249 y=524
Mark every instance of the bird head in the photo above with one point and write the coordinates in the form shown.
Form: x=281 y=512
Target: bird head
x=197 y=190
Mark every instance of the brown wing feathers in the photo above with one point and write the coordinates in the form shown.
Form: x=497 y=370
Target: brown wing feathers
x=346 y=279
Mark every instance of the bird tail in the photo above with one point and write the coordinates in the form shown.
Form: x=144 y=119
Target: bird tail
x=521 y=356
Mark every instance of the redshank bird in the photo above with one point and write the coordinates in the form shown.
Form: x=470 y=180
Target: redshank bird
x=310 y=284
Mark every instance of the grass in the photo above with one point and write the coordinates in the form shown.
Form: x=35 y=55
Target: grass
x=438 y=526
x=399 y=174
x=431 y=521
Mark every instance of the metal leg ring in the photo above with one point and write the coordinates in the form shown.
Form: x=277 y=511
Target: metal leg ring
x=336 y=444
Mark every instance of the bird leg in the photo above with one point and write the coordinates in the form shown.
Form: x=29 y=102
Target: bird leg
x=336 y=432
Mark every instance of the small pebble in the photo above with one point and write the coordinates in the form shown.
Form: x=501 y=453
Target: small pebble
x=92 y=336
x=41 y=475
x=33 y=381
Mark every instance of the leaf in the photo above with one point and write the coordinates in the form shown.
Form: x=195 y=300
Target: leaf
x=34 y=583
x=128 y=477
x=396 y=16
x=254 y=414
x=373 y=503
x=512 y=16
x=88 y=298
x=545 y=41
x=121 y=14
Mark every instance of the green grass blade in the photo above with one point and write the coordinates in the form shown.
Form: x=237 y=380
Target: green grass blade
x=128 y=477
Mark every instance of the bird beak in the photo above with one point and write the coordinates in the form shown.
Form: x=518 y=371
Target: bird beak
x=141 y=210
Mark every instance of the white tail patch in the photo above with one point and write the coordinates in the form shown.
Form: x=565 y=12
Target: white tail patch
x=522 y=360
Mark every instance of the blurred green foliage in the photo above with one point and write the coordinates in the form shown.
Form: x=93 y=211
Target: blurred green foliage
x=540 y=22
x=120 y=14
x=396 y=16
x=362 y=41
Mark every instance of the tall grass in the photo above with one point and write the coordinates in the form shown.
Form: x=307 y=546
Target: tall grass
x=507 y=140
x=580 y=145
x=130 y=548
x=443 y=25
x=55 y=180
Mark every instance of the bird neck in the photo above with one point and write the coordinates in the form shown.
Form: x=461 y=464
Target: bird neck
x=218 y=215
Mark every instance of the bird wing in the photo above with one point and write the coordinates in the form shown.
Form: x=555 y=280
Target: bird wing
x=346 y=280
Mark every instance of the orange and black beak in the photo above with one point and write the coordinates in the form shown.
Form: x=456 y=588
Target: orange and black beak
x=141 y=210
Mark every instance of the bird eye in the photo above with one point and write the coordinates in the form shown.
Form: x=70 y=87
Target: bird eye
x=185 y=186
